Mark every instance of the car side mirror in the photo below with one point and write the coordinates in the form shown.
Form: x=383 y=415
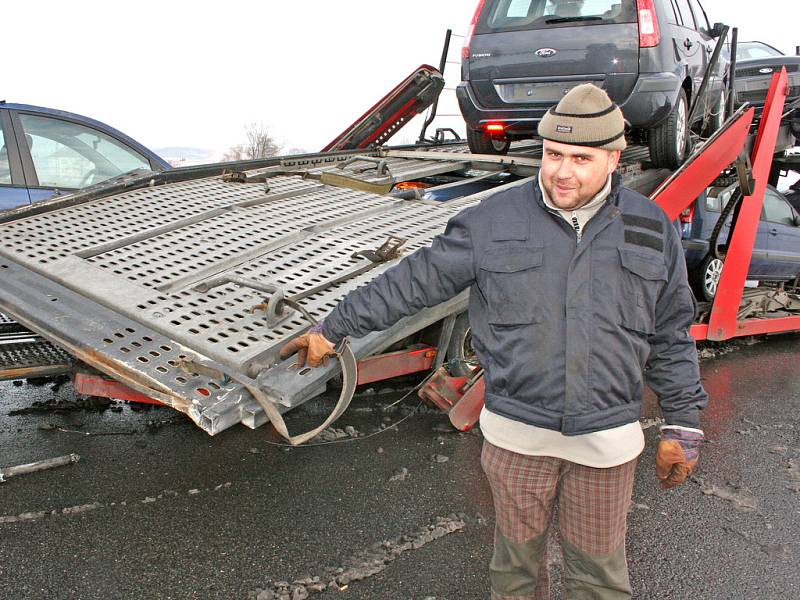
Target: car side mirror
x=796 y=221
x=716 y=30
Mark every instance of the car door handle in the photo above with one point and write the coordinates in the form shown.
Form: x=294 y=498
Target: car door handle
x=688 y=43
x=773 y=231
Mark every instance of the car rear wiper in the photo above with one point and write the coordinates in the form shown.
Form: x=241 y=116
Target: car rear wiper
x=571 y=19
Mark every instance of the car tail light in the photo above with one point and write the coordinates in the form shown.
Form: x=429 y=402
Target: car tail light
x=474 y=23
x=495 y=128
x=687 y=215
x=411 y=185
x=649 y=35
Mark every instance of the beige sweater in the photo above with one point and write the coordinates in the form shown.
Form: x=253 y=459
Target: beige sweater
x=601 y=449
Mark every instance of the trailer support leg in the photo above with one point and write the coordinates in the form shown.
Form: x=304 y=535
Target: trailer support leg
x=724 y=313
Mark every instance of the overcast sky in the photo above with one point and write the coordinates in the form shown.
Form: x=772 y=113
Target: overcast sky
x=174 y=73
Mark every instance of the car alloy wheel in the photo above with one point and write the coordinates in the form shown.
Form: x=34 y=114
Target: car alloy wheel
x=500 y=146
x=480 y=143
x=711 y=276
x=681 y=128
x=460 y=353
x=719 y=117
x=669 y=141
x=716 y=116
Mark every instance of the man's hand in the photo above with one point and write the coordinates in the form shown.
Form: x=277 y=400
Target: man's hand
x=311 y=348
x=678 y=453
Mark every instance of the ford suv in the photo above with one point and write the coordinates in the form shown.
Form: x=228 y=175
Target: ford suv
x=521 y=56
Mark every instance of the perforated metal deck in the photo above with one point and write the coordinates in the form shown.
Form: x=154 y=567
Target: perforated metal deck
x=25 y=360
x=114 y=279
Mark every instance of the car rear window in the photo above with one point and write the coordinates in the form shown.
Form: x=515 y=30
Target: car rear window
x=755 y=50
x=511 y=15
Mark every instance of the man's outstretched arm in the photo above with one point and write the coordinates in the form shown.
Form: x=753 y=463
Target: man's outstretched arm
x=425 y=278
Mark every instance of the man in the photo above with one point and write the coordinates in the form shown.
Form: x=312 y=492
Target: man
x=578 y=294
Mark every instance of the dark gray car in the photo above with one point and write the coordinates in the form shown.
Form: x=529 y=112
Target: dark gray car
x=522 y=56
x=755 y=64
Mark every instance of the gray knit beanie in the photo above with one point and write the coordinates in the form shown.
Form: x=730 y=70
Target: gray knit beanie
x=586 y=116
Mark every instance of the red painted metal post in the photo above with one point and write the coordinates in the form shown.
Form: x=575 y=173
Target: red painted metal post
x=724 y=312
x=717 y=154
x=466 y=412
x=394 y=364
x=90 y=384
x=699 y=331
x=460 y=397
x=374 y=368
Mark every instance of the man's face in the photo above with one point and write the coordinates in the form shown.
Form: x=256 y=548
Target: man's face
x=573 y=175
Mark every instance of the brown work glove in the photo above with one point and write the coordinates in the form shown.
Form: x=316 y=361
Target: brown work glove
x=678 y=453
x=312 y=349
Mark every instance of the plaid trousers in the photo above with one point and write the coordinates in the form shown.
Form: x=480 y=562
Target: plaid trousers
x=593 y=508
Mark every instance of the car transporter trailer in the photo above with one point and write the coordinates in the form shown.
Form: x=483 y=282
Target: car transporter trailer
x=180 y=288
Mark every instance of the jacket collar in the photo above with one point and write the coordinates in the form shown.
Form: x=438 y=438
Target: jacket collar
x=616 y=186
x=613 y=196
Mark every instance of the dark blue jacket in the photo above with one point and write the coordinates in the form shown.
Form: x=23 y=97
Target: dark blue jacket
x=567 y=333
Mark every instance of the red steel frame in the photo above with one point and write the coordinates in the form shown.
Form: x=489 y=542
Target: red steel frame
x=383 y=103
x=374 y=368
x=95 y=384
x=394 y=364
x=723 y=323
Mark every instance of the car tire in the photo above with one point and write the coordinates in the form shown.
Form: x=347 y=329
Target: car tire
x=459 y=350
x=718 y=116
x=706 y=278
x=669 y=141
x=480 y=143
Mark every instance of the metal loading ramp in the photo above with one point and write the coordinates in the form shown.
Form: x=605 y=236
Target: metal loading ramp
x=117 y=281
x=114 y=281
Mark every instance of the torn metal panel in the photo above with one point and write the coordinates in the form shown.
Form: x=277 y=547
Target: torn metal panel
x=113 y=344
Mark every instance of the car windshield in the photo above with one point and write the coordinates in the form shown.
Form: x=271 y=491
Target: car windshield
x=508 y=15
x=755 y=50
x=70 y=155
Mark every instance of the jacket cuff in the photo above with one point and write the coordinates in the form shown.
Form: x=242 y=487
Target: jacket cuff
x=329 y=335
x=686 y=418
x=681 y=428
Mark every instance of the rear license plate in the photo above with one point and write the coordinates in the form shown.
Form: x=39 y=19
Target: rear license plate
x=535 y=92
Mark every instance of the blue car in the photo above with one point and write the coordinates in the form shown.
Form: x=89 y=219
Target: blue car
x=45 y=152
x=776 y=252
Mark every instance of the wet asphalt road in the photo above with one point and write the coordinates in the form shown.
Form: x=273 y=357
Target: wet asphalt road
x=167 y=512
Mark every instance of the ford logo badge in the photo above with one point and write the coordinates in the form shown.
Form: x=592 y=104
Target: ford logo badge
x=545 y=52
x=765 y=70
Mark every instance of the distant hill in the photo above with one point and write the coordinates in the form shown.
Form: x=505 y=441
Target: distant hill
x=184 y=155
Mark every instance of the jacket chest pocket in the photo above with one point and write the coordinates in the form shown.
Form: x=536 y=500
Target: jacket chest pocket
x=643 y=278
x=509 y=279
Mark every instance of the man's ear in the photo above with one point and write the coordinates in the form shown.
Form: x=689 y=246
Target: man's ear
x=613 y=160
